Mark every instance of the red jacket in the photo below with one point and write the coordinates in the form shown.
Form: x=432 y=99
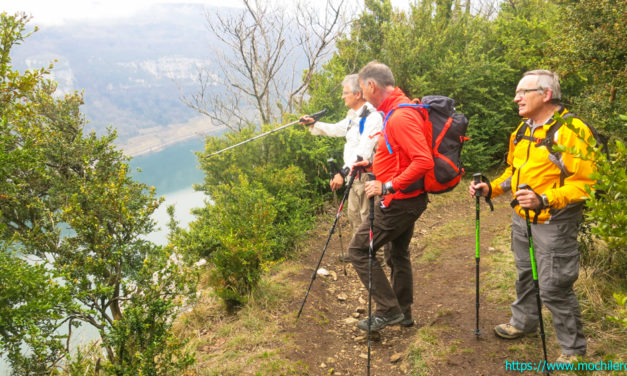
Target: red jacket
x=410 y=140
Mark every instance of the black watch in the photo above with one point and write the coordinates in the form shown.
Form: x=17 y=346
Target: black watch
x=386 y=188
x=544 y=200
x=345 y=171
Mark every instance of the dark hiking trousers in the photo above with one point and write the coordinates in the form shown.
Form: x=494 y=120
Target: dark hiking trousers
x=394 y=225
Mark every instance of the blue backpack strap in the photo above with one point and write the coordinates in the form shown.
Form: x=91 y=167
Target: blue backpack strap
x=416 y=106
x=361 y=124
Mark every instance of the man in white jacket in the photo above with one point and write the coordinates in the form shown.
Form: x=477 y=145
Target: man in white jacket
x=361 y=127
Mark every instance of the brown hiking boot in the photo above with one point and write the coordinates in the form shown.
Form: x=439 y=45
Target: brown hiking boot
x=509 y=332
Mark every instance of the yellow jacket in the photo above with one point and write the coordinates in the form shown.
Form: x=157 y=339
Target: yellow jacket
x=535 y=166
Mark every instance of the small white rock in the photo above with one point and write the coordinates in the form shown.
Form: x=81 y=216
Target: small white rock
x=323 y=272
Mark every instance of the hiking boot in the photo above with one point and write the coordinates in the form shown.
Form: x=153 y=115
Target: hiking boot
x=509 y=332
x=379 y=322
x=566 y=359
x=407 y=322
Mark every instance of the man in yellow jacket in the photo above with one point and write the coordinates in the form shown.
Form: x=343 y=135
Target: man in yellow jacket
x=555 y=206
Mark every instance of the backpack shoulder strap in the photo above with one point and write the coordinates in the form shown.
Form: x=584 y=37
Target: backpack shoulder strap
x=520 y=133
x=362 y=122
x=548 y=138
x=363 y=116
x=546 y=141
x=387 y=117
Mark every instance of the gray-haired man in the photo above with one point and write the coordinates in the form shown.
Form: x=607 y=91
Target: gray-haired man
x=361 y=127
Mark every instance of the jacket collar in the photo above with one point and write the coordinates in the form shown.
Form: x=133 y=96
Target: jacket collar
x=394 y=99
x=550 y=121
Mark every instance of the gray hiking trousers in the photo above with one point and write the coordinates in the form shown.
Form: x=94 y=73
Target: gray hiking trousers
x=393 y=225
x=557 y=261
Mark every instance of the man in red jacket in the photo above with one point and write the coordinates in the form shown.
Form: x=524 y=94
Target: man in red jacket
x=401 y=161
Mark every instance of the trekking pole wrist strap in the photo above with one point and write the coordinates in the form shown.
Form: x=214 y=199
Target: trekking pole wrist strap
x=345 y=171
x=488 y=198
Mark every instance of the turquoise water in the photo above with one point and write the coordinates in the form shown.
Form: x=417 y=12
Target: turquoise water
x=172 y=171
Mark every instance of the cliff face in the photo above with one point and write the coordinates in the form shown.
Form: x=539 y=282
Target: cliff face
x=132 y=71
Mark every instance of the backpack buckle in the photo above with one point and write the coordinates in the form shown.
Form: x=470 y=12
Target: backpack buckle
x=544 y=142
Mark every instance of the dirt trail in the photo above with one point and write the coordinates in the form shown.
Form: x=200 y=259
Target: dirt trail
x=442 y=342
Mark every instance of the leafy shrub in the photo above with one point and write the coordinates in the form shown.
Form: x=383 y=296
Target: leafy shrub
x=76 y=221
x=251 y=222
x=621 y=310
x=607 y=207
x=607 y=212
x=289 y=147
x=143 y=337
x=264 y=194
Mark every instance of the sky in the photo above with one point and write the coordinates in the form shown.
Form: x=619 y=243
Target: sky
x=48 y=12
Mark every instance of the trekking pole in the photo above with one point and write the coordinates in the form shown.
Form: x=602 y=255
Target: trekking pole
x=370 y=257
x=337 y=216
x=333 y=171
x=535 y=274
x=316 y=116
x=477 y=179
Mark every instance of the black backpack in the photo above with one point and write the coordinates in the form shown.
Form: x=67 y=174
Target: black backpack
x=448 y=136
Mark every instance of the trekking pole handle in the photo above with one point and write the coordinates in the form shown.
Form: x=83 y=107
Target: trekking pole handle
x=477 y=179
x=371 y=177
x=524 y=186
x=319 y=114
x=315 y=116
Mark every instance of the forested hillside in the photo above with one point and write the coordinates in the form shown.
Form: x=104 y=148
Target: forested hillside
x=72 y=217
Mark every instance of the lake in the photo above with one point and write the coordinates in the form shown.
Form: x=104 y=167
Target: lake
x=172 y=171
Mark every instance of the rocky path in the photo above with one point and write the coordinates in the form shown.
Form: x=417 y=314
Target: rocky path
x=443 y=341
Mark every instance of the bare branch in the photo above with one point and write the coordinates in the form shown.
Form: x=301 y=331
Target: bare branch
x=262 y=56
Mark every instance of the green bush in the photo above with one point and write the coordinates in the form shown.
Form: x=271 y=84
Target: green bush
x=253 y=221
x=264 y=195
x=606 y=212
x=292 y=146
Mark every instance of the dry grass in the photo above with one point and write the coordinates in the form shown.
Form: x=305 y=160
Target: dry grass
x=606 y=339
x=427 y=349
x=248 y=342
